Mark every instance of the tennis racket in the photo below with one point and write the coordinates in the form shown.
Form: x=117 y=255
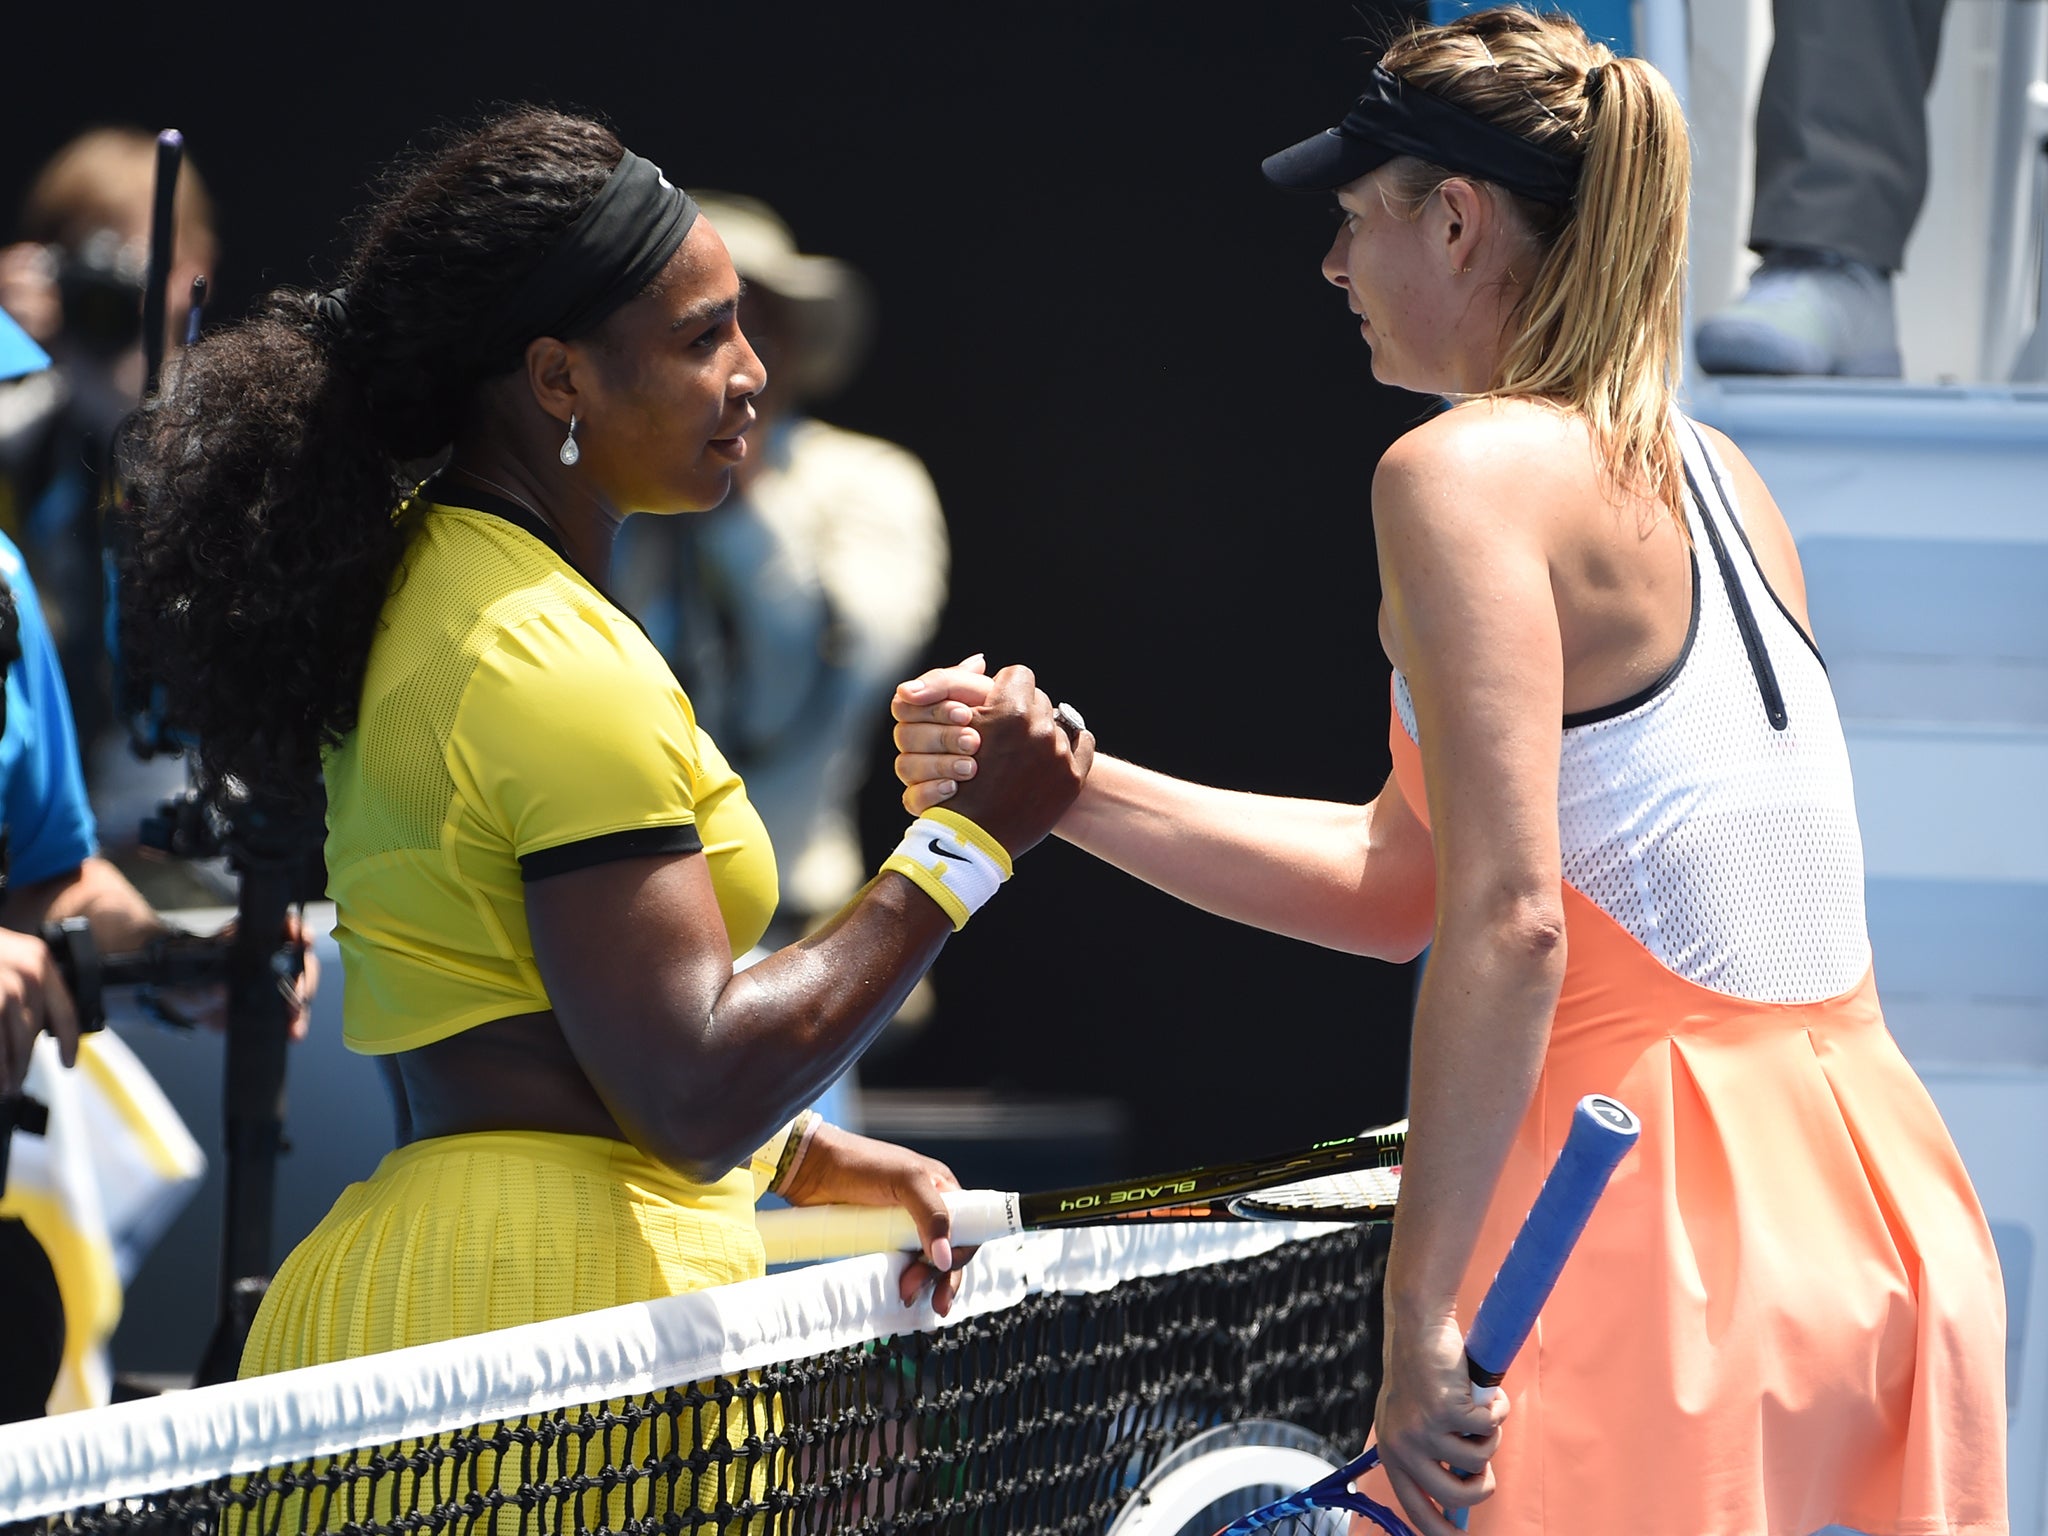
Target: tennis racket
x=1602 y=1132
x=1353 y=1178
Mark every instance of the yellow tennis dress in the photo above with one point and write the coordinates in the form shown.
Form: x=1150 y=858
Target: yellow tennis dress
x=514 y=725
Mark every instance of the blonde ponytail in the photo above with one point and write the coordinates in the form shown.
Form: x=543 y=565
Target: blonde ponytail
x=1599 y=328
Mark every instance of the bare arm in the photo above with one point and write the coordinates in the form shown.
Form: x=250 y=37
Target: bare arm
x=696 y=1064
x=1358 y=878
x=33 y=998
x=1475 y=627
x=699 y=1065
x=122 y=919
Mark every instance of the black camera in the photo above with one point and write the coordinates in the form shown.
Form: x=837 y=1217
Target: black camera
x=99 y=284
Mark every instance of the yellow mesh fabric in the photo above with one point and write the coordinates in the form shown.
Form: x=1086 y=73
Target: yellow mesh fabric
x=508 y=709
x=462 y=1234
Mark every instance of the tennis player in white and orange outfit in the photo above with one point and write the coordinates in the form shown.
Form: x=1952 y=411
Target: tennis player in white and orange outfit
x=1621 y=818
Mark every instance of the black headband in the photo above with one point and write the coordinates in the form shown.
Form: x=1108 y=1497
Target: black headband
x=615 y=248
x=1394 y=118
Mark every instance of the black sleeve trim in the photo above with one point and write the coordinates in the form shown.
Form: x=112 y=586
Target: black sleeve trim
x=609 y=847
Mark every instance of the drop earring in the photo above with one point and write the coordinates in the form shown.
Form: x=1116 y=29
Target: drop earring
x=570 y=452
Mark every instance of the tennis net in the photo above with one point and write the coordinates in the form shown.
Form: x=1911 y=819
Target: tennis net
x=811 y=1400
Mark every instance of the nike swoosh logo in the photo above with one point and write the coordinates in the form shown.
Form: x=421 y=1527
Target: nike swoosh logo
x=949 y=853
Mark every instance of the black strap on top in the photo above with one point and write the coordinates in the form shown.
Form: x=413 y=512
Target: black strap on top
x=1738 y=598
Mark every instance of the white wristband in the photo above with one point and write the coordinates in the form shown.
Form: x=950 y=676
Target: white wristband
x=951 y=860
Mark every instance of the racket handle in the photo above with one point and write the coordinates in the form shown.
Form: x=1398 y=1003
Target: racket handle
x=1602 y=1131
x=811 y=1233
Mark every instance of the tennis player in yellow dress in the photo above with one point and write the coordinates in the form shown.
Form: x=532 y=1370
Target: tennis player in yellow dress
x=543 y=869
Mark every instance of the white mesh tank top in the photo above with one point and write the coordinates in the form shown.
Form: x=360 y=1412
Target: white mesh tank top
x=1711 y=815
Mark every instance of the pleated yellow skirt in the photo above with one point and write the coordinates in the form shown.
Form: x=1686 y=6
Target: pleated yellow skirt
x=462 y=1234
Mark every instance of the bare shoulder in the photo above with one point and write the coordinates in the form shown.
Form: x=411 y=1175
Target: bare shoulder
x=1491 y=461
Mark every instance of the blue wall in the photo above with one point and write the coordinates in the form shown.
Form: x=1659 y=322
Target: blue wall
x=1606 y=21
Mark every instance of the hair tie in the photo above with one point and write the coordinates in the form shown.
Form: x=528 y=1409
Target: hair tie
x=1594 y=77
x=330 y=309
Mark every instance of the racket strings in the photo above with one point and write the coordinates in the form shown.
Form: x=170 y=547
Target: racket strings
x=1360 y=1194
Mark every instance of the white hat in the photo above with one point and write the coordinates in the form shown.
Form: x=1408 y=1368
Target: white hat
x=831 y=308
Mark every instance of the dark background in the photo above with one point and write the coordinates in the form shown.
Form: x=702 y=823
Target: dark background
x=1151 y=423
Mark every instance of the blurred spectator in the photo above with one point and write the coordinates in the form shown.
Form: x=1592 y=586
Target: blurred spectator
x=789 y=610
x=74 y=282
x=1841 y=172
x=81 y=1202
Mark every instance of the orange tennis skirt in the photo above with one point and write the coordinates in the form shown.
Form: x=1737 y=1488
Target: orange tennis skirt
x=1786 y=1312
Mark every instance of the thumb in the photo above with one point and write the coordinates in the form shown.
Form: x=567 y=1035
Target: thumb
x=927 y=1207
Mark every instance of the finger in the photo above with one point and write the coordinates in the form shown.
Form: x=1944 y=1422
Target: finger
x=1450 y=1485
x=1083 y=748
x=1466 y=1454
x=919 y=1195
x=936 y=740
x=1422 y=1513
x=910 y=1284
x=920 y=798
x=16 y=1041
x=946 y=711
x=1014 y=691
x=968 y=683
x=914 y=768
x=945 y=1291
x=308 y=985
x=60 y=1016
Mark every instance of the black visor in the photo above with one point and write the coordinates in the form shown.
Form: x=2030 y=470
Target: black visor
x=1395 y=118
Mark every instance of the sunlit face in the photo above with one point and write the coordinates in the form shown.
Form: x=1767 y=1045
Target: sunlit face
x=1391 y=276
x=673 y=384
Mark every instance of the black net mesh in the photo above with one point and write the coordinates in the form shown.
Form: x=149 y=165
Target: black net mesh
x=1039 y=1418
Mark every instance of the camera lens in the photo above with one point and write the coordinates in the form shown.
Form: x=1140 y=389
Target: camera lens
x=99 y=283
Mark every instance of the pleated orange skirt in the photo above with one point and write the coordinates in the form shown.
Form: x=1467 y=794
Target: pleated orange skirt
x=1786 y=1312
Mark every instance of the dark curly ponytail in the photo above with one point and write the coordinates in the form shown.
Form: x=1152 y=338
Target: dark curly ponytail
x=265 y=478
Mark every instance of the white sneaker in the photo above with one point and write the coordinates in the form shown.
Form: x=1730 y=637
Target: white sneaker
x=1806 y=312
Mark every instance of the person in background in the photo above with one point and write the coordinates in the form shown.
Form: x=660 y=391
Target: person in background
x=115 y=1161
x=74 y=282
x=1841 y=172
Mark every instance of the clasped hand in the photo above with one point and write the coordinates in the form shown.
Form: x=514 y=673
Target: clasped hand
x=957 y=725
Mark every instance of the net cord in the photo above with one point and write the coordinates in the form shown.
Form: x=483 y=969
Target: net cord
x=186 y=1438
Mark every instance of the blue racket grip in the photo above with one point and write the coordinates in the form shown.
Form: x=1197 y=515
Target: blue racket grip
x=1602 y=1132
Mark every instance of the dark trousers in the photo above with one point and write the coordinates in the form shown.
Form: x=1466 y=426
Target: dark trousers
x=31 y=1324
x=1841 y=126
